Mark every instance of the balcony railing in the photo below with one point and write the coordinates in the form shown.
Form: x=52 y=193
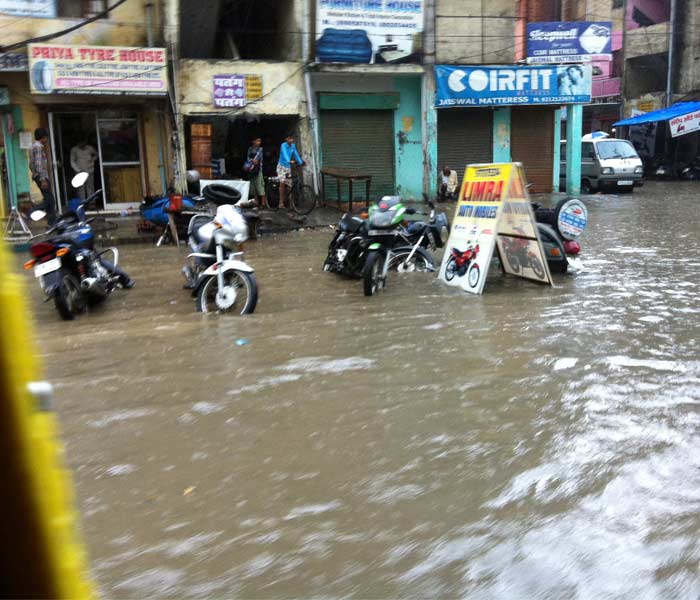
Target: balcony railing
x=608 y=86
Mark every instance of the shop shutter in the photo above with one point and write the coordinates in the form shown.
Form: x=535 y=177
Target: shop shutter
x=361 y=141
x=532 y=143
x=465 y=135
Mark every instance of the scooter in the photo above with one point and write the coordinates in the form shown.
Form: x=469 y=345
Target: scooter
x=559 y=229
x=69 y=269
x=463 y=262
x=220 y=280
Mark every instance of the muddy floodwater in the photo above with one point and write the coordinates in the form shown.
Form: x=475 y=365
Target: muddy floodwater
x=529 y=443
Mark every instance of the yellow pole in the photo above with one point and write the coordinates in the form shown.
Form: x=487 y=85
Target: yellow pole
x=41 y=555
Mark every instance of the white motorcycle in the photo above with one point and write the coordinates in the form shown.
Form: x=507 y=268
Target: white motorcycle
x=218 y=277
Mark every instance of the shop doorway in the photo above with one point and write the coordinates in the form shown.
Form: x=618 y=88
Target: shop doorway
x=108 y=144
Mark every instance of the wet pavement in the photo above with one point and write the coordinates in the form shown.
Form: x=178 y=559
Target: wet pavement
x=528 y=443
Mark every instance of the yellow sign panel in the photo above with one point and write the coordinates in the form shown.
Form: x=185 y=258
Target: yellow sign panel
x=55 y=69
x=493 y=208
x=253 y=87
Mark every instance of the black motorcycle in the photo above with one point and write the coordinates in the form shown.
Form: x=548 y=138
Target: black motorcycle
x=69 y=269
x=350 y=246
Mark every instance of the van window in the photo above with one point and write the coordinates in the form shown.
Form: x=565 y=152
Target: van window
x=616 y=149
x=587 y=150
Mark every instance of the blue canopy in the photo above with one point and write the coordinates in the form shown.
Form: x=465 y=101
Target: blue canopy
x=665 y=114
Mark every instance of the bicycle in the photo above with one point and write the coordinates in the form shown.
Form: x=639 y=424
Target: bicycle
x=301 y=196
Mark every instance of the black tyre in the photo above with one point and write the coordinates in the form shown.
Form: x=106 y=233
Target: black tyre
x=303 y=199
x=421 y=261
x=473 y=275
x=219 y=194
x=372 y=273
x=537 y=267
x=68 y=297
x=273 y=195
x=244 y=289
x=586 y=187
x=451 y=269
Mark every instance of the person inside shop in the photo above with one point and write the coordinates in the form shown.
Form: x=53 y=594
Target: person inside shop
x=39 y=165
x=253 y=166
x=288 y=155
x=448 y=185
x=82 y=159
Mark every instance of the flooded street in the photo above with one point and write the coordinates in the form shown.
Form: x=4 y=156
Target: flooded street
x=528 y=443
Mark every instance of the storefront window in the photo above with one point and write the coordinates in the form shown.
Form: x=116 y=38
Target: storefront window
x=119 y=140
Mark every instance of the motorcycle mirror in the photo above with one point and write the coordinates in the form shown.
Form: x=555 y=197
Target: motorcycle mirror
x=37 y=215
x=79 y=180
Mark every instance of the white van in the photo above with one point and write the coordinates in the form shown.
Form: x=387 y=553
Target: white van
x=606 y=164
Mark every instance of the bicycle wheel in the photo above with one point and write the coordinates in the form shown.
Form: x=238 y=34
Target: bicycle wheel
x=303 y=199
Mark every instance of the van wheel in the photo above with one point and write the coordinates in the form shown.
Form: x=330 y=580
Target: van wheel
x=586 y=187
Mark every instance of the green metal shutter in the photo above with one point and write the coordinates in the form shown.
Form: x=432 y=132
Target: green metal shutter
x=465 y=135
x=361 y=141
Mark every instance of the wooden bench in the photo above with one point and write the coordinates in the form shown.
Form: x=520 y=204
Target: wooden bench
x=341 y=175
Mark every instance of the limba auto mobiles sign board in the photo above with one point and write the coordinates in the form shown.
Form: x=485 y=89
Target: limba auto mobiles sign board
x=493 y=211
x=369 y=31
x=512 y=85
x=569 y=42
x=55 y=69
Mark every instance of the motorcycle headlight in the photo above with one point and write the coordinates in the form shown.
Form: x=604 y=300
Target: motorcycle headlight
x=607 y=171
x=639 y=170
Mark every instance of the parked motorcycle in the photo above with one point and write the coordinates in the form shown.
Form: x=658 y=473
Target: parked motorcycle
x=69 y=269
x=690 y=171
x=219 y=278
x=559 y=229
x=348 y=250
x=463 y=262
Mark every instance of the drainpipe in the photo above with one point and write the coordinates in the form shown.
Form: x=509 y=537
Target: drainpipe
x=149 y=23
x=429 y=116
x=313 y=119
x=669 y=71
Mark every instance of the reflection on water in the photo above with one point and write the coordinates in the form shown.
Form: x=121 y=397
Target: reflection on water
x=532 y=442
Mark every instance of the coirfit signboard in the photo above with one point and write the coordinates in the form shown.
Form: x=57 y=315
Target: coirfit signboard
x=569 y=42
x=110 y=70
x=369 y=31
x=512 y=86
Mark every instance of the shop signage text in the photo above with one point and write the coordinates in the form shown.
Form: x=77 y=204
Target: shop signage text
x=14 y=62
x=58 y=69
x=44 y=9
x=229 y=91
x=685 y=124
x=504 y=86
x=369 y=31
x=569 y=42
x=253 y=87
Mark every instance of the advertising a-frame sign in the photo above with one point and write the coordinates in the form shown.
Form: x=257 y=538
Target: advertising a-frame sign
x=493 y=210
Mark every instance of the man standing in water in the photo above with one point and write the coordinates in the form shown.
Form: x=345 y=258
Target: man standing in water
x=254 y=159
x=39 y=165
x=288 y=153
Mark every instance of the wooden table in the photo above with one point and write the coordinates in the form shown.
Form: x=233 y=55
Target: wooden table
x=344 y=175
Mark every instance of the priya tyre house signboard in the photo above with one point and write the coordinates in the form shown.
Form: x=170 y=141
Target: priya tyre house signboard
x=369 y=31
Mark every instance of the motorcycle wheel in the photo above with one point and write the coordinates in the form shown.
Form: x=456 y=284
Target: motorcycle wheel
x=372 y=273
x=450 y=269
x=513 y=261
x=473 y=275
x=421 y=261
x=537 y=267
x=68 y=298
x=244 y=286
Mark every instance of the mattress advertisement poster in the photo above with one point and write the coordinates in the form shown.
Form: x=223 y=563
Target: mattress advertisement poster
x=493 y=208
x=55 y=69
x=573 y=42
x=369 y=31
x=512 y=85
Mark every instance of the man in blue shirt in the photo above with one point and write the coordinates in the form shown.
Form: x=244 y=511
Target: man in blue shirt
x=288 y=153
